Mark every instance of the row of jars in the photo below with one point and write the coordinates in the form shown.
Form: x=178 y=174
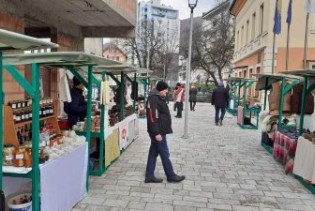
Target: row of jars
x=26 y=114
x=21 y=156
x=14 y=104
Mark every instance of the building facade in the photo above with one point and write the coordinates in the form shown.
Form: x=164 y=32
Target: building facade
x=112 y=51
x=164 y=19
x=254 y=21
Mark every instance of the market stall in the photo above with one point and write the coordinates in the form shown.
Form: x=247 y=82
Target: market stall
x=304 y=168
x=247 y=112
x=239 y=86
x=14 y=41
x=271 y=119
x=69 y=60
x=126 y=123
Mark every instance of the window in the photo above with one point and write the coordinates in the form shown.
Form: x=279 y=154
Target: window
x=242 y=37
x=261 y=18
x=238 y=40
x=253 y=26
x=117 y=58
x=247 y=32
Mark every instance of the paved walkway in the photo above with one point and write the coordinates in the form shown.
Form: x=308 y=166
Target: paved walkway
x=225 y=168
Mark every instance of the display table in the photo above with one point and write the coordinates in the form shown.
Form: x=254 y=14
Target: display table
x=62 y=181
x=304 y=162
x=284 y=149
x=245 y=116
x=127 y=131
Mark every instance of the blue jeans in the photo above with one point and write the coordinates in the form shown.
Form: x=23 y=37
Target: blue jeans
x=217 y=111
x=159 y=148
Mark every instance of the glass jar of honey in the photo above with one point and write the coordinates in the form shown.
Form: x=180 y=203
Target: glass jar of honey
x=18 y=157
x=8 y=155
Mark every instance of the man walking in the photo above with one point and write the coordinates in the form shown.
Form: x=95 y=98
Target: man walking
x=159 y=124
x=220 y=100
x=192 y=97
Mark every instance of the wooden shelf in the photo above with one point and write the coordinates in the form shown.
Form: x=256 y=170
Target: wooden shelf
x=30 y=121
x=9 y=126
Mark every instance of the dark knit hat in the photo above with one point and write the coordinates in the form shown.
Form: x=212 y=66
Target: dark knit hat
x=75 y=81
x=161 y=85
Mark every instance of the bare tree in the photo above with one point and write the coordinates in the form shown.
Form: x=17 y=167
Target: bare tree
x=154 y=47
x=214 y=46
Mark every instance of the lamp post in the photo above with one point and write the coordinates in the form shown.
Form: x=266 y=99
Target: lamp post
x=191 y=4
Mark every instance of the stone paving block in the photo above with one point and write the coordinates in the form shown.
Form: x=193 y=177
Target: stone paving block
x=189 y=203
x=219 y=206
x=93 y=200
x=140 y=189
x=136 y=205
x=168 y=197
x=184 y=208
x=115 y=203
x=195 y=199
x=200 y=194
x=228 y=196
x=158 y=206
x=244 y=208
x=118 y=192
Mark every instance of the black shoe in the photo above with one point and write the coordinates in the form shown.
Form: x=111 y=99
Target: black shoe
x=216 y=124
x=176 y=178
x=153 y=180
x=220 y=122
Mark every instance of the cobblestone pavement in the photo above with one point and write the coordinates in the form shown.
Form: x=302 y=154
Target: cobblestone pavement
x=225 y=168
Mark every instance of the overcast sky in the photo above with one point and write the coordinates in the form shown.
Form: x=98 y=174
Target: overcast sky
x=184 y=10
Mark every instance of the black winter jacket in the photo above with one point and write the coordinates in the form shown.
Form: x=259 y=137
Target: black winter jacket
x=220 y=97
x=158 y=115
x=77 y=111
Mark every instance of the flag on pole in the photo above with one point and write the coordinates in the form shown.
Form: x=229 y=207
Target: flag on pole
x=310 y=6
x=277 y=18
x=289 y=15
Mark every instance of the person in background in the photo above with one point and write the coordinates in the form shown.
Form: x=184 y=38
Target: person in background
x=220 y=100
x=159 y=123
x=192 y=97
x=77 y=106
x=178 y=96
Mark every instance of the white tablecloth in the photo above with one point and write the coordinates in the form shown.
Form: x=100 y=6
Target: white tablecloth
x=63 y=181
x=304 y=161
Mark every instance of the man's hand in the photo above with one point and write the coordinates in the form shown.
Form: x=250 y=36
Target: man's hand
x=158 y=137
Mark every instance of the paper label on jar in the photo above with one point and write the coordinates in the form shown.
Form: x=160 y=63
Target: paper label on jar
x=19 y=156
x=8 y=157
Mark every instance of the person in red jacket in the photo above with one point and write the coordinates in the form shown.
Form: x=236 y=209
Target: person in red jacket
x=159 y=123
x=178 y=97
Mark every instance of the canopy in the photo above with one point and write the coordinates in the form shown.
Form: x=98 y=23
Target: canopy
x=266 y=80
x=57 y=59
x=11 y=40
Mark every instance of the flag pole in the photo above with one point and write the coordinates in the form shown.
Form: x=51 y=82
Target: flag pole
x=289 y=20
x=306 y=40
x=273 y=53
x=288 y=47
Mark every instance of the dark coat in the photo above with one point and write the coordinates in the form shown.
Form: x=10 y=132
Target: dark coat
x=220 y=97
x=193 y=95
x=77 y=107
x=159 y=119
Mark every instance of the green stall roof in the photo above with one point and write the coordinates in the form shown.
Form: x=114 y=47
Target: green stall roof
x=239 y=79
x=266 y=80
x=58 y=59
x=11 y=40
x=301 y=73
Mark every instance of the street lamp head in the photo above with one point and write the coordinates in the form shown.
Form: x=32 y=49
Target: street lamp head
x=192 y=3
